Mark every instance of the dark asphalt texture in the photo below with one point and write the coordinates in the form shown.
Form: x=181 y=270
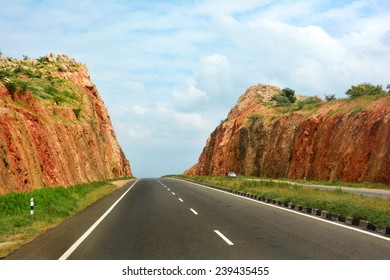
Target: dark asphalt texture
x=154 y=220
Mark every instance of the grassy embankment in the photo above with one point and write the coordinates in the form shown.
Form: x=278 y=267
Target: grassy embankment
x=341 y=184
x=38 y=77
x=365 y=185
x=52 y=205
x=375 y=210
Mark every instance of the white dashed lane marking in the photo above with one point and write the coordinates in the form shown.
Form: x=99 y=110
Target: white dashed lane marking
x=224 y=237
x=193 y=211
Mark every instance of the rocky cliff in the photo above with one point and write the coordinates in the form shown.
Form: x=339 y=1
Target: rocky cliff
x=54 y=127
x=346 y=140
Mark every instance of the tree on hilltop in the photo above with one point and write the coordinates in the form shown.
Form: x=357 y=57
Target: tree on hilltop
x=330 y=97
x=365 y=89
x=285 y=98
x=290 y=94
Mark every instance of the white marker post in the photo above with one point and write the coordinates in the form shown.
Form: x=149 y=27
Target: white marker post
x=32 y=206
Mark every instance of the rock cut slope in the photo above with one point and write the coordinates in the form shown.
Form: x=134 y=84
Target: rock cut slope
x=54 y=127
x=346 y=140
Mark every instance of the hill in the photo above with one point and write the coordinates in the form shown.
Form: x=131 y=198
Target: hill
x=54 y=127
x=345 y=140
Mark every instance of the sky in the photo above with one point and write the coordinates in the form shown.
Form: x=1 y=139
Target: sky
x=170 y=71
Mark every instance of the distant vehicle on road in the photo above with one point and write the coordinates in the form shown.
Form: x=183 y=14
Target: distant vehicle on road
x=232 y=175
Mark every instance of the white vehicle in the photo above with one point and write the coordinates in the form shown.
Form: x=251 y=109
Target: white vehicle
x=232 y=175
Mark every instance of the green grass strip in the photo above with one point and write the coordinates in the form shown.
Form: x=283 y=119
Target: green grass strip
x=375 y=210
x=52 y=205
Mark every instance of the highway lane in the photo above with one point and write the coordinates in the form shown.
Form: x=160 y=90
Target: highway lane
x=173 y=219
x=260 y=231
x=151 y=223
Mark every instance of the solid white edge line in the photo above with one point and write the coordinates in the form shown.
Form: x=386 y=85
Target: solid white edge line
x=224 y=237
x=193 y=211
x=292 y=211
x=88 y=232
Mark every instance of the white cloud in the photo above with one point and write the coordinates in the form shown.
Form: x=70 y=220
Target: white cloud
x=162 y=108
x=135 y=87
x=191 y=97
x=213 y=64
x=190 y=121
x=169 y=70
x=138 y=132
x=139 y=110
x=214 y=77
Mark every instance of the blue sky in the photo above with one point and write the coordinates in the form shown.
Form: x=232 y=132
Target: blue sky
x=169 y=71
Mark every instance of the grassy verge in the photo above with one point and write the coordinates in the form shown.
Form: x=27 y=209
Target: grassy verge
x=375 y=210
x=52 y=205
x=338 y=184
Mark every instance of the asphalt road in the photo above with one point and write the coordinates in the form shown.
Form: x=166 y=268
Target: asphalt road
x=173 y=219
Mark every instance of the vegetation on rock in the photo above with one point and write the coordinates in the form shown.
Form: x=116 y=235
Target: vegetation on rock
x=343 y=140
x=55 y=127
x=366 y=89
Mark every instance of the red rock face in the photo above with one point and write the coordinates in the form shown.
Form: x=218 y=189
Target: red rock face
x=346 y=140
x=49 y=145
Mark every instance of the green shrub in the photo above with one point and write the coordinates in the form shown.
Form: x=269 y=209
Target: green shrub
x=43 y=59
x=354 y=111
x=58 y=98
x=330 y=97
x=77 y=112
x=309 y=101
x=69 y=95
x=290 y=94
x=11 y=87
x=51 y=90
x=36 y=74
x=23 y=88
x=364 y=89
x=281 y=100
x=5 y=161
x=285 y=98
x=254 y=118
x=4 y=74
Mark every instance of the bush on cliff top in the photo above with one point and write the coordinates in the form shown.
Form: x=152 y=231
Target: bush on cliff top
x=366 y=89
x=285 y=98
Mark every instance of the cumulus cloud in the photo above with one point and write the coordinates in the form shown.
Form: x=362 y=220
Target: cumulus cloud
x=139 y=110
x=172 y=70
x=138 y=132
x=191 y=97
x=214 y=71
x=162 y=108
x=189 y=121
